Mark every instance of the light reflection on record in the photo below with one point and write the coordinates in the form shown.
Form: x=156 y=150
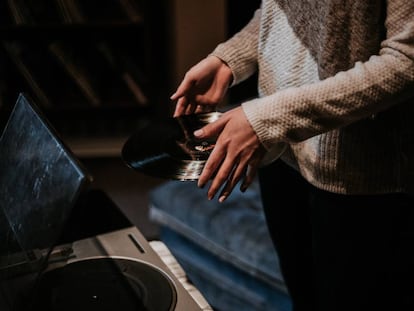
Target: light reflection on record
x=167 y=148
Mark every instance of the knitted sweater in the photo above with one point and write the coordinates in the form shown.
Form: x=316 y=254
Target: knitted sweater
x=336 y=84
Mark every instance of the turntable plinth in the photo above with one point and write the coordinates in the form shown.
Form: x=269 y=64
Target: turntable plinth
x=116 y=270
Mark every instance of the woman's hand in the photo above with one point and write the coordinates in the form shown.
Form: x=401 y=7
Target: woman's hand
x=236 y=155
x=203 y=87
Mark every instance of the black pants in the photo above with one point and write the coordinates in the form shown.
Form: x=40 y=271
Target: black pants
x=340 y=252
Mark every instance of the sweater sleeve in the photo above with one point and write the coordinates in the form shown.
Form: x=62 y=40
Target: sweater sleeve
x=297 y=113
x=240 y=51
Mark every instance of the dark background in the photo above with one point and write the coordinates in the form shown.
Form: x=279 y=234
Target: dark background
x=118 y=195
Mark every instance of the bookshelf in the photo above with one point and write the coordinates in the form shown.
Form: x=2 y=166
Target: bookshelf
x=96 y=68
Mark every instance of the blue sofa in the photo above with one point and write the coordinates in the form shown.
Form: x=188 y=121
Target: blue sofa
x=224 y=248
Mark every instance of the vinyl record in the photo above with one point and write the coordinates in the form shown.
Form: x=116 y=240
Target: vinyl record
x=167 y=148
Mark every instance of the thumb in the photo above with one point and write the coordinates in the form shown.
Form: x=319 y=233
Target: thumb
x=210 y=130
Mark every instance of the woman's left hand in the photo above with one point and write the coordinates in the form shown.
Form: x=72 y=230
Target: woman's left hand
x=236 y=155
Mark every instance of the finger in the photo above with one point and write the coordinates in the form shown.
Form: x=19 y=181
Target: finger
x=204 y=109
x=223 y=174
x=217 y=155
x=249 y=177
x=211 y=165
x=233 y=179
x=181 y=106
x=182 y=89
x=190 y=109
x=212 y=129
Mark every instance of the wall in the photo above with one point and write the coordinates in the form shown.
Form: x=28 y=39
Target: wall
x=196 y=27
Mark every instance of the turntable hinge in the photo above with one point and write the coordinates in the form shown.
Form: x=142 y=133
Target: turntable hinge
x=61 y=254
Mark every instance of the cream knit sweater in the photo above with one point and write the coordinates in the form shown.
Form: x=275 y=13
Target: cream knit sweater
x=336 y=83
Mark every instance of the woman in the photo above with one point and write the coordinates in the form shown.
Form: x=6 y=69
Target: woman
x=332 y=136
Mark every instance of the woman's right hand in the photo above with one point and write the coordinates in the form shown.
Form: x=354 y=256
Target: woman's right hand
x=203 y=87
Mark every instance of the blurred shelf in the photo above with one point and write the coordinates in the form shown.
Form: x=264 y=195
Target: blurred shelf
x=96 y=68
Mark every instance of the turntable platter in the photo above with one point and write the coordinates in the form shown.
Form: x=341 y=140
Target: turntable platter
x=167 y=148
x=105 y=284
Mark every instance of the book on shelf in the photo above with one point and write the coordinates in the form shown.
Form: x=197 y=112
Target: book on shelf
x=16 y=53
x=20 y=12
x=75 y=11
x=116 y=60
x=77 y=70
x=42 y=11
x=72 y=11
x=32 y=12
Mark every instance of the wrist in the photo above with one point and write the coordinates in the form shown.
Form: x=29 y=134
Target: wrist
x=224 y=68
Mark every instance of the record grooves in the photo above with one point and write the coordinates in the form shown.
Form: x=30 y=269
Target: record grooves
x=167 y=148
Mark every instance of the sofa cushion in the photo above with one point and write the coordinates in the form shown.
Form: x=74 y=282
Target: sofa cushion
x=224 y=286
x=235 y=230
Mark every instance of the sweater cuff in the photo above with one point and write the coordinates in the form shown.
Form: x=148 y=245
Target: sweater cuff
x=274 y=148
x=241 y=70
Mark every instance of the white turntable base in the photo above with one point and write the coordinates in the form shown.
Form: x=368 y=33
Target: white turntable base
x=130 y=245
x=162 y=250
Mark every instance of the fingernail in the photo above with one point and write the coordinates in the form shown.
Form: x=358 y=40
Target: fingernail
x=172 y=96
x=222 y=198
x=243 y=188
x=210 y=196
x=200 y=185
x=198 y=133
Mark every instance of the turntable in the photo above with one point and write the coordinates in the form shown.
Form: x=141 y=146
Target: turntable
x=116 y=270
x=40 y=181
